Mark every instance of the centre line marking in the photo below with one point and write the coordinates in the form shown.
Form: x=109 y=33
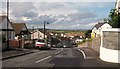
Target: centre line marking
x=83 y=53
x=42 y=59
x=59 y=51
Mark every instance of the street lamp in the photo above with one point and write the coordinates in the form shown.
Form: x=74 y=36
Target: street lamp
x=44 y=29
x=33 y=36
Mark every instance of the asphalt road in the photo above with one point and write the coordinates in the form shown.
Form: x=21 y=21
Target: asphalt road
x=57 y=57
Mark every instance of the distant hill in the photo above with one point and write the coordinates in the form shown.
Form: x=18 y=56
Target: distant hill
x=66 y=30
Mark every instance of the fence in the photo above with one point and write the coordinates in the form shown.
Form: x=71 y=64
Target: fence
x=18 y=44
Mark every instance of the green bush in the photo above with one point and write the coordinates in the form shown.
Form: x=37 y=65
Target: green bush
x=84 y=40
x=90 y=39
x=113 y=19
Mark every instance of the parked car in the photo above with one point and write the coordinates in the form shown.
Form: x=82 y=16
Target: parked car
x=42 y=45
x=59 y=45
x=75 y=44
x=67 y=44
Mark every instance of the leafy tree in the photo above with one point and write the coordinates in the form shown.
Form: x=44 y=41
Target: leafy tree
x=88 y=33
x=113 y=18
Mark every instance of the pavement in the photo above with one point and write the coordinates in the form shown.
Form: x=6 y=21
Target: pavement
x=89 y=53
x=16 y=53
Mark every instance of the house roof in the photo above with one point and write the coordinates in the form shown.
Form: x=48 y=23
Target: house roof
x=1 y=21
x=31 y=30
x=42 y=31
x=18 y=27
x=98 y=25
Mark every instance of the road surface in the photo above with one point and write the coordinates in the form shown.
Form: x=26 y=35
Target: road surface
x=56 y=57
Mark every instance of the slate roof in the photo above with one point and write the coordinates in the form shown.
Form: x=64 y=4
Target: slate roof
x=99 y=25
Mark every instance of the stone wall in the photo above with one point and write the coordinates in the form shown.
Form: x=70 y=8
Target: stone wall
x=111 y=40
x=96 y=42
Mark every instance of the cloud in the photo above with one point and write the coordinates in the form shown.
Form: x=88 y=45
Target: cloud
x=30 y=14
x=21 y=8
x=60 y=0
x=60 y=15
x=80 y=16
x=92 y=24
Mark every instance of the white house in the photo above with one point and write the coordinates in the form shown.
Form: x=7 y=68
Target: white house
x=38 y=34
x=96 y=30
x=10 y=30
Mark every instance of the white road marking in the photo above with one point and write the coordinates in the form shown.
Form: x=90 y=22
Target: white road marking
x=43 y=59
x=90 y=58
x=83 y=53
x=59 y=51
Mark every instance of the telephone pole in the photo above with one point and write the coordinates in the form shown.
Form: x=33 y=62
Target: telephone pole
x=44 y=29
x=7 y=25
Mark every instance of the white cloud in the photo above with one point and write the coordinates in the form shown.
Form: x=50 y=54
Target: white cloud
x=60 y=0
x=68 y=19
x=60 y=19
x=26 y=18
x=60 y=11
x=92 y=24
x=60 y=15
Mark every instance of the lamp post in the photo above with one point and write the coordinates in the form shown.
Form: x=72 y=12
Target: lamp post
x=44 y=29
x=33 y=32
x=33 y=36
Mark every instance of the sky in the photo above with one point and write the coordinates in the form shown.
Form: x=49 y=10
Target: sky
x=60 y=15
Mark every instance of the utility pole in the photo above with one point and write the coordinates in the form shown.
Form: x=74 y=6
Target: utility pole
x=7 y=25
x=44 y=31
x=33 y=36
x=33 y=32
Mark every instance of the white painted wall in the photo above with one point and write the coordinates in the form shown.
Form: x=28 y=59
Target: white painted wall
x=109 y=55
x=94 y=30
x=103 y=27
x=98 y=31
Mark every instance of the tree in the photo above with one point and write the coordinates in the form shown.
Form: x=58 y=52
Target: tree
x=88 y=33
x=113 y=18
